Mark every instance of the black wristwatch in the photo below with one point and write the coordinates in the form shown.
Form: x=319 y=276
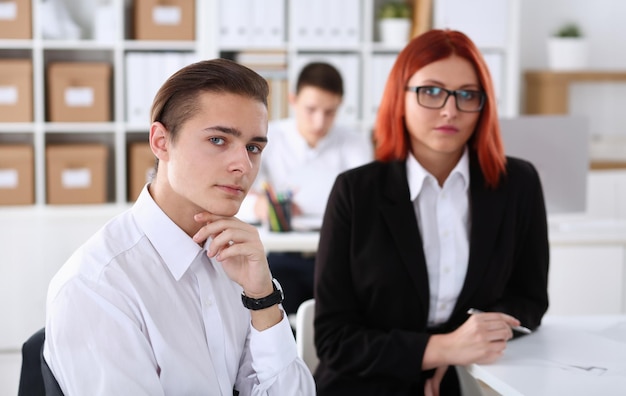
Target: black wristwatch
x=255 y=304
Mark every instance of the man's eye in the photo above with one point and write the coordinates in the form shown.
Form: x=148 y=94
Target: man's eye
x=217 y=141
x=254 y=149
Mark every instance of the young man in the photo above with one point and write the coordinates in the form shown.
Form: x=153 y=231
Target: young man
x=306 y=154
x=152 y=303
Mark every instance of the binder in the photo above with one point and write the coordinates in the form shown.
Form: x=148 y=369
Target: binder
x=268 y=23
x=303 y=23
x=348 y=18
x=495 y=63
x=134 y=86
x=381 y=66
x=235 y=22
x=487 y=28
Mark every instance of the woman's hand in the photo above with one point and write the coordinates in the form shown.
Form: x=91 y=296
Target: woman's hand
x=431 y=387
x=481 y=339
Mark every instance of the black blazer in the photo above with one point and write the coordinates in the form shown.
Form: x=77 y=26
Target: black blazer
x=371 y=284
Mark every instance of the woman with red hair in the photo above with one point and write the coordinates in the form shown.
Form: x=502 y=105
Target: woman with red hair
x=442 y=222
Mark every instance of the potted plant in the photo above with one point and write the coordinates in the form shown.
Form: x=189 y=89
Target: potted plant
x=394 y=22
x=567 y=49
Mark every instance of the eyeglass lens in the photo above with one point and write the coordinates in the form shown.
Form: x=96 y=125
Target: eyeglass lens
x=436 y=97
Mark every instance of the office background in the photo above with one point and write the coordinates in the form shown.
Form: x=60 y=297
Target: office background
x=36 y=238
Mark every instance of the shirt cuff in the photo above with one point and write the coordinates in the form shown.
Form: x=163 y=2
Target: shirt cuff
x=272 y=349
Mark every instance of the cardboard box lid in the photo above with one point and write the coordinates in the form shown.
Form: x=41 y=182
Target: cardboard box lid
x=15 y=152
x=8 y=66
x=77 y=151
x=78 y=69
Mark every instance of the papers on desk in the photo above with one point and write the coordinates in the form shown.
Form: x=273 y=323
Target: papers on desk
x=562 y=359
x=579 y=352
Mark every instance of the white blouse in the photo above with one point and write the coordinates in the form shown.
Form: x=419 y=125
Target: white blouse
x=443 y=219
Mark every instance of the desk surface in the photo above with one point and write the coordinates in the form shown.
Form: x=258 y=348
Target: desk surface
x=579 y=355
x=297 y=241
x=587 y=230
x=564 y=231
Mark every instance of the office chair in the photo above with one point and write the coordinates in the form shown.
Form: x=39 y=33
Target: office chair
x=36 y=378
x=304 y=334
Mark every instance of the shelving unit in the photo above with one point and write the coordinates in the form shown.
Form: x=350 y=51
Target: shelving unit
x=494 y=27
x=117 y=134
x=362 y=59
x=342 y=33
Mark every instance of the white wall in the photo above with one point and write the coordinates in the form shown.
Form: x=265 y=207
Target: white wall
x=602 y=22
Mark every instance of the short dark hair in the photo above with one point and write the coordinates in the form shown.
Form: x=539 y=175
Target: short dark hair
x=320 y=75
x=176 y=100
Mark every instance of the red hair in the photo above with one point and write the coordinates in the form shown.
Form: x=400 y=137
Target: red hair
x=392 y=140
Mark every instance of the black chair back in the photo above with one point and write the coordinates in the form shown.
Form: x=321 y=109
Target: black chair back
x=36 y=378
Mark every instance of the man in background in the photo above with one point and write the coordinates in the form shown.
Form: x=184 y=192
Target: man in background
x=305 y=155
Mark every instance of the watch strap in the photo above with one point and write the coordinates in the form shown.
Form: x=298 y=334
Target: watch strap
x=276 y=297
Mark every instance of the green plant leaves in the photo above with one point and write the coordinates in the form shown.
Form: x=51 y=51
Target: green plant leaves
x=394 y=10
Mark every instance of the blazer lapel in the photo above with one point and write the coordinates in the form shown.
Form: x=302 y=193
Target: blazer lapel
x=398 y=214
x=487 y=209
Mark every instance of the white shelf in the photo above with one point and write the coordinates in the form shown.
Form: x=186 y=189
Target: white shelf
x=364 y=76
x=116 y=133
x=153 y=45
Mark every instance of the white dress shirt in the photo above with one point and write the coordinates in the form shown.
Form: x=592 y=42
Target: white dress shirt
x=443 y=218
x=289 y=163
x=140 y=309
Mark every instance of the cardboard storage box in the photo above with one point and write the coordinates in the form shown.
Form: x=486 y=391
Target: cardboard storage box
x=15 y=19
x=76 y=173
x=16 y=174
x=141 y=162
x=79 y=92
x=16 y=90
x=165 y=20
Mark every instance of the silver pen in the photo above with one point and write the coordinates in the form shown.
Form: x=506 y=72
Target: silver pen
x=521 y=329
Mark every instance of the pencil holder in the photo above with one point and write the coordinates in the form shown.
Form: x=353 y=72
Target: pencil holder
x=280 y=215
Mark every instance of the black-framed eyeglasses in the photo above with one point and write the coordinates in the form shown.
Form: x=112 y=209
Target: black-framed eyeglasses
x=433 y=97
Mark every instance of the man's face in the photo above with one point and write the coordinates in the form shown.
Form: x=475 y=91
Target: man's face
x=215 y=157
x=315 y=110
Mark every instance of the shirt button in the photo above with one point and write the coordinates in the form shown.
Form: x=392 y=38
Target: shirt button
x=207 y=302
x=446 y=270
x=443 y=307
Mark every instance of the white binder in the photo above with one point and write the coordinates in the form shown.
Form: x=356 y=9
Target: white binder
x=381 y=66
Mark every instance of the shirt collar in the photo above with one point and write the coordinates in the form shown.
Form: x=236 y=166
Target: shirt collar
x=298 y=141
x=416 y=174
x=175 y=247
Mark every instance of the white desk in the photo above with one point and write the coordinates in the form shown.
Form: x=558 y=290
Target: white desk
x=297 y=241
x=574 y=230
x=573 y=355
x=587 y=262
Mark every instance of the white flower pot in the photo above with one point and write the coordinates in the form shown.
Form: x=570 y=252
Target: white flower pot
x=394 y=31
x=567 y=53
